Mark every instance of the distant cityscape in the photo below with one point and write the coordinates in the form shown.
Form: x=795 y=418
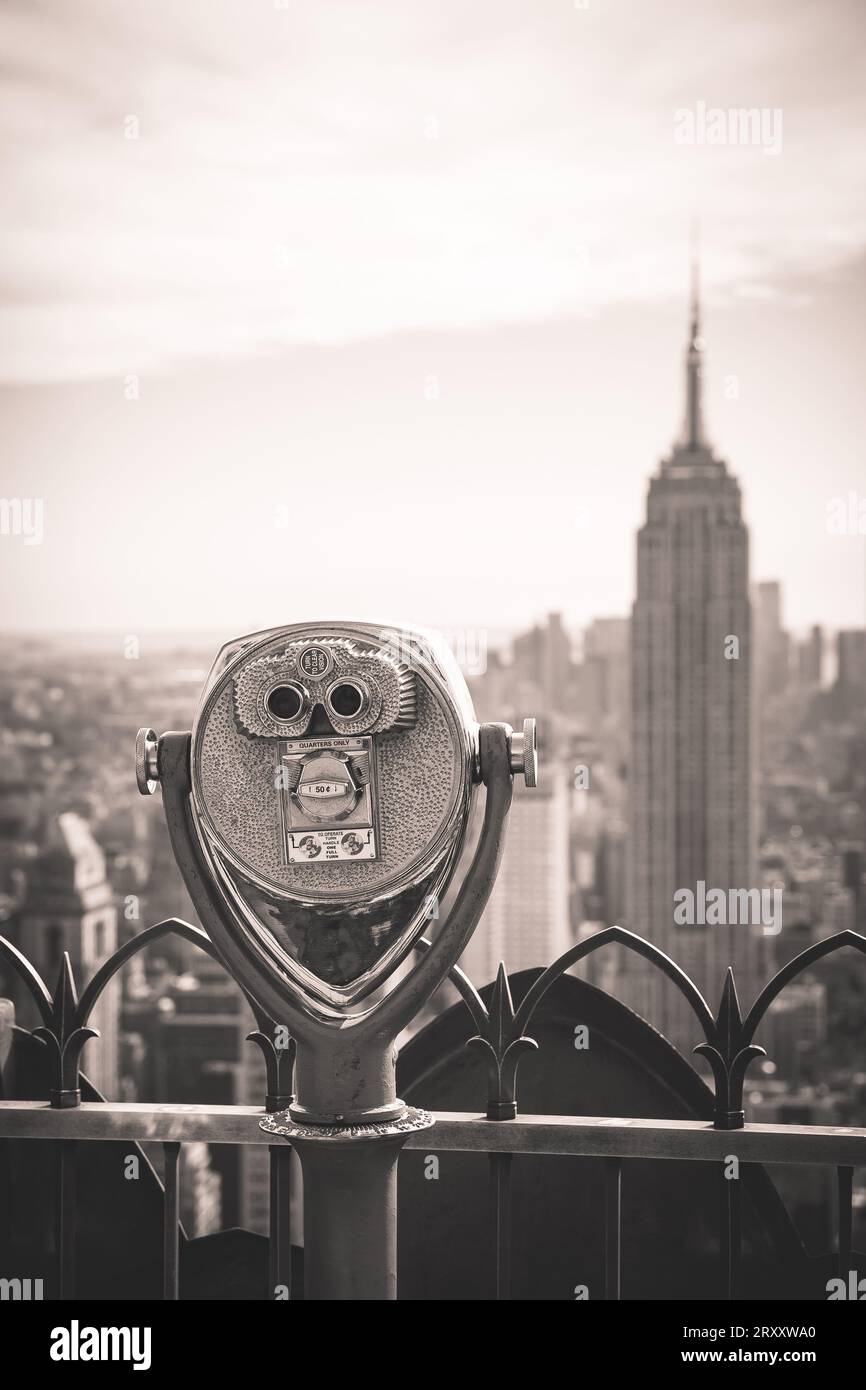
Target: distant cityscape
x=693 y=742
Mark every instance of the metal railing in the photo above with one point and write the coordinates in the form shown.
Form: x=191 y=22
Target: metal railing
x=502 y=1035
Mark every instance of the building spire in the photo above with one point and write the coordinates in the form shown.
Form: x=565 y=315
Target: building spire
x=693 y=427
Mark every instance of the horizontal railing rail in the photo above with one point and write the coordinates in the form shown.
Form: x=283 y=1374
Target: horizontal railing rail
x=584 y=1136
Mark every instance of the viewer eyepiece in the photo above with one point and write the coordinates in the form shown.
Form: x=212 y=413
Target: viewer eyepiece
x=346 y=699
x=285 y=702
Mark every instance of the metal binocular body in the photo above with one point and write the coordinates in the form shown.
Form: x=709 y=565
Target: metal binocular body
x=318 y=811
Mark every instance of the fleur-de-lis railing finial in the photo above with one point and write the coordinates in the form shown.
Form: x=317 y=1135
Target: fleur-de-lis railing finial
x=503 y=1048
x=65 y=1035
x=729 y=1054
x=278 y=1049
x=65 y=1018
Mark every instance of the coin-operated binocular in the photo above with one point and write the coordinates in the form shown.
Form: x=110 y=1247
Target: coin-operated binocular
x=317 y=812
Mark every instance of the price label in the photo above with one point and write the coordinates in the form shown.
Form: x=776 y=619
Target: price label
x=323 y=789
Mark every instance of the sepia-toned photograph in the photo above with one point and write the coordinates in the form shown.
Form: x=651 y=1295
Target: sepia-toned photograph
x=433 y=669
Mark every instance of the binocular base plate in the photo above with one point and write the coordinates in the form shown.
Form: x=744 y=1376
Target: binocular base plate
x=288 y=1128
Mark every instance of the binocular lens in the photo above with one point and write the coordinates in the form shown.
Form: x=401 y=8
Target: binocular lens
x=346 y=699
x=285 y=702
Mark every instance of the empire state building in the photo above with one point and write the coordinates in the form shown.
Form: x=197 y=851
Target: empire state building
x=692 y=818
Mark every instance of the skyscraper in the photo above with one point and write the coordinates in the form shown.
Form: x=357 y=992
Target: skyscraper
x=542 y=659
x=526 y=922
x=810 y=658
x=70 y=907
x=692 y=815
x=771 y=642
x=851 y=660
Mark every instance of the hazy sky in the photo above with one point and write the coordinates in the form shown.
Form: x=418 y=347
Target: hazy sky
x=379 y=309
